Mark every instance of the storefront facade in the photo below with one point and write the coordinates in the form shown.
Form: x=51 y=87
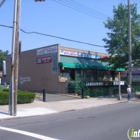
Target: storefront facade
x=54 y=67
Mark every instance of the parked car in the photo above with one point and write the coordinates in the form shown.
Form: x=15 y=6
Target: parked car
x=5 y=84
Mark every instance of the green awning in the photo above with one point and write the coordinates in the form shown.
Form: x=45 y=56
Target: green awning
x=84 y=63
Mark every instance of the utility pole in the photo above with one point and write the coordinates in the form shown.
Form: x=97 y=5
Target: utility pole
x=15 y=58
x=2 y=2
x=120 y=96
x=130 y=47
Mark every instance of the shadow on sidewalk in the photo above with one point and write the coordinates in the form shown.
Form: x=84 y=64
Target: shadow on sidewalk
x=56 y=97
x=124 y=96
x=4 y=113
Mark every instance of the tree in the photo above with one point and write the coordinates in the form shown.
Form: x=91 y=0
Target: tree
x=117 y=38
x=2 y=57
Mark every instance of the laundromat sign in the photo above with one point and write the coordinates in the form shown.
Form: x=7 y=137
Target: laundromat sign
x=79 y=54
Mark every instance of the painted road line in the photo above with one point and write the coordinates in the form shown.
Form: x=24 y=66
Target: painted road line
x=27 y=133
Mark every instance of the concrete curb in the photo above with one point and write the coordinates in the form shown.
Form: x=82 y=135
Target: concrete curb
x=59 y=106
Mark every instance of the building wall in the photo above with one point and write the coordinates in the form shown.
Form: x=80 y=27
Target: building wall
x=35 y=76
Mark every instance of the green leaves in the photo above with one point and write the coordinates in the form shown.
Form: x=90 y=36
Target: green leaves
x=117 y=38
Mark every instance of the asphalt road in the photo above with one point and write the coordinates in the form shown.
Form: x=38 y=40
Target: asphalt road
x=109 y=122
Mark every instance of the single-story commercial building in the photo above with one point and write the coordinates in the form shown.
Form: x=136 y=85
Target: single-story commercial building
x=55 y=67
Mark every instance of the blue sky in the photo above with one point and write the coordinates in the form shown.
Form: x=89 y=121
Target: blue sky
x=52 y=18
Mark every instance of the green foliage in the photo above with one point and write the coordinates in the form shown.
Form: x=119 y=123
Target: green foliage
x=22 y=97
x=4 y=98
x=77 y=86
x=73 y=86
x=137 y=88
x=25 y=97
x=117 y=39
x=2 y=57
x=104 y=91
x=6 y=90
x=2 y=88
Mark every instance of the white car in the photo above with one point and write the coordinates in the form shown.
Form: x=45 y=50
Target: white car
x=5 y=84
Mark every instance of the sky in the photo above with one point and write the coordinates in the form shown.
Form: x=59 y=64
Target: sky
x=80 y=20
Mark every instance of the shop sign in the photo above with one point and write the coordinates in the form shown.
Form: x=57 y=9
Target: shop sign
x=52 y=49
x=135 y=74
x=117 y=83
x=122 y=82
x=94 y=83
x=136 y=78
x=78 y=54
x=69 y=53
x=42 y=60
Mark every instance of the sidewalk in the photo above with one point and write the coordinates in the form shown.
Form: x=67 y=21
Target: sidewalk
x=41 y=108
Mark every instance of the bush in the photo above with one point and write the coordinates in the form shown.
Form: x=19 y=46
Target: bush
x=22 y=97
x=4 y=98
x=25 y=97
x=6 y=90
x=2 y=88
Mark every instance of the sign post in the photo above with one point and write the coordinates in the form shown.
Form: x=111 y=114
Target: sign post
x=120 y=97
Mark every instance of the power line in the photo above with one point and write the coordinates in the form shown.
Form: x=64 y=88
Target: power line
x=90 y=8
x=83 y=9
x=34 y=32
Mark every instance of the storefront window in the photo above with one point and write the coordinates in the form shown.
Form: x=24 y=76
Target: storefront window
x=77 y=74
x=108 y=76
x=87 y=75
x=65 y=72
x=94 y=76
x=100 y=75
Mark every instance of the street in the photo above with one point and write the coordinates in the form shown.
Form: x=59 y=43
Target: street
x=110 y=122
